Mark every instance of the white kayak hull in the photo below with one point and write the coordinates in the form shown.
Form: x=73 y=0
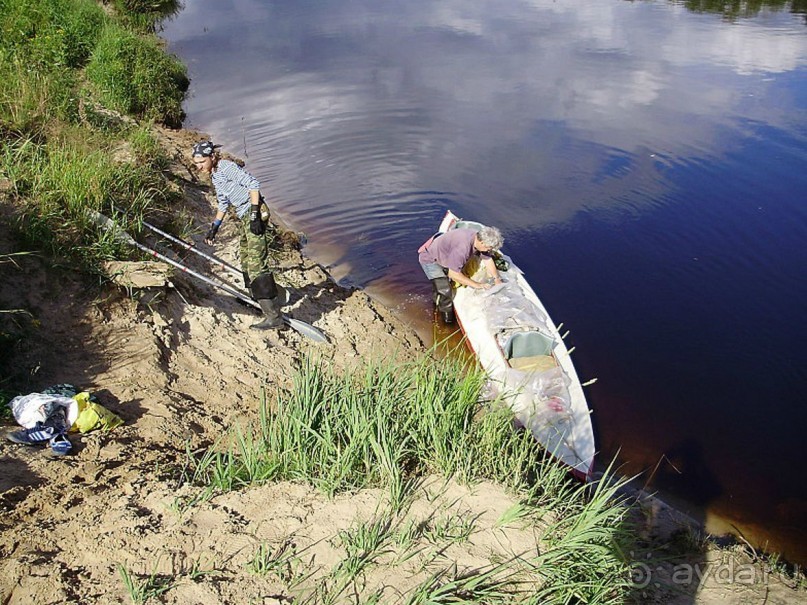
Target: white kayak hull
x=527 y=363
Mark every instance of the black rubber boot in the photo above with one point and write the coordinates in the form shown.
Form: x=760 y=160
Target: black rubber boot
x=264 y=286
x=266 y=291
x=272 y=320
x=444 y=298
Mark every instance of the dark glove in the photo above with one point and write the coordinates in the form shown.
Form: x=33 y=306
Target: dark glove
x=255 y=223
x=211 y=235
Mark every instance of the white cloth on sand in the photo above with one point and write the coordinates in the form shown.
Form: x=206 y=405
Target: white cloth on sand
x=30 y=409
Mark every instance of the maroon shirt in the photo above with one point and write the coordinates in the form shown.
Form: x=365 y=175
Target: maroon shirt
x=451 y=250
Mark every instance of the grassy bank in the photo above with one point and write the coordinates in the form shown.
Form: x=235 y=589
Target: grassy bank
x=391 y=425
x=79 y=86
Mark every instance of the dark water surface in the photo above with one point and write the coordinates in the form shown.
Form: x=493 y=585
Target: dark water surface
x=646 y=163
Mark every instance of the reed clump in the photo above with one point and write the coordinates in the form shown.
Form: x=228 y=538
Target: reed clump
x=389 y=425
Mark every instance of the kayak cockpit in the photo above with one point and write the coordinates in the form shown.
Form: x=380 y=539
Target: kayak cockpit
x=529 y=351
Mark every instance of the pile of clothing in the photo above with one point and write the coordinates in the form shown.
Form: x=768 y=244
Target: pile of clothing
x=46 y=417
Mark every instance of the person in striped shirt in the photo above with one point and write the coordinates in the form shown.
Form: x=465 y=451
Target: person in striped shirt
x=238 y=189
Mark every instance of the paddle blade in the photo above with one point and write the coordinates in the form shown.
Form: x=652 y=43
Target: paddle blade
x=111 y=226
x=306 y=329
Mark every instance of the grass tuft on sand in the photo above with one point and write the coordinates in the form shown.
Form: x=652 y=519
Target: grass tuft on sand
x=388 y=425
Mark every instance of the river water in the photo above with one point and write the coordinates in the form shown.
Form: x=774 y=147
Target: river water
x=646 y=163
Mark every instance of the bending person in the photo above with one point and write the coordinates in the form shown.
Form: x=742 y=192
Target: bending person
x=444 y=256
x=238 y=189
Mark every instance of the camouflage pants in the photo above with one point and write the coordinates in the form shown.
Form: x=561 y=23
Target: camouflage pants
x=254 y=250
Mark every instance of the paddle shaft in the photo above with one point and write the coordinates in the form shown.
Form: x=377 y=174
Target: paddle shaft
x=207 y=280
x=193 y=248
x=302 y=327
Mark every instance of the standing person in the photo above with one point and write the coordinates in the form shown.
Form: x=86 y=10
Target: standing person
x=443 y=257
x=238 y=189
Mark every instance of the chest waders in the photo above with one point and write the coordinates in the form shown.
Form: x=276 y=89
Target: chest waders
x=443 y=295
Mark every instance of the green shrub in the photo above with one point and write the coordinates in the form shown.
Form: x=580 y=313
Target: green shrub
x=133 y=75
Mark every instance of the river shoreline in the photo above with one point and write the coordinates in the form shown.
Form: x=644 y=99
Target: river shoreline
x=180 y=365
x=670 y=513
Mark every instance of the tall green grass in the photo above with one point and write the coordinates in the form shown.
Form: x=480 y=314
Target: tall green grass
x=48 y=46
x=132 y=74
x=67 y=69
x=44 y=44
x=32 y=100
x=58 y=181
x=51 y=33
x=378 y=427
x=388 y=424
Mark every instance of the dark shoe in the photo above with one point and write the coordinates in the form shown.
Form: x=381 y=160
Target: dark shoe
x=273 y=320
x=448 y=316
x=31 y=436
x=269 y=324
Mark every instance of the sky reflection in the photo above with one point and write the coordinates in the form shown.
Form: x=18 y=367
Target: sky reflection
x=445 y=91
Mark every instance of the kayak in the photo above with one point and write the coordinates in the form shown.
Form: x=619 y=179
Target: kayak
x=526 y=361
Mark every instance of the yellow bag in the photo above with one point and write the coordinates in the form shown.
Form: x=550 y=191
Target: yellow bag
x=93 y=415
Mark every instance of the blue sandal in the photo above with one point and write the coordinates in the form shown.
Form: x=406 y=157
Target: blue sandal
x=60 y=445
